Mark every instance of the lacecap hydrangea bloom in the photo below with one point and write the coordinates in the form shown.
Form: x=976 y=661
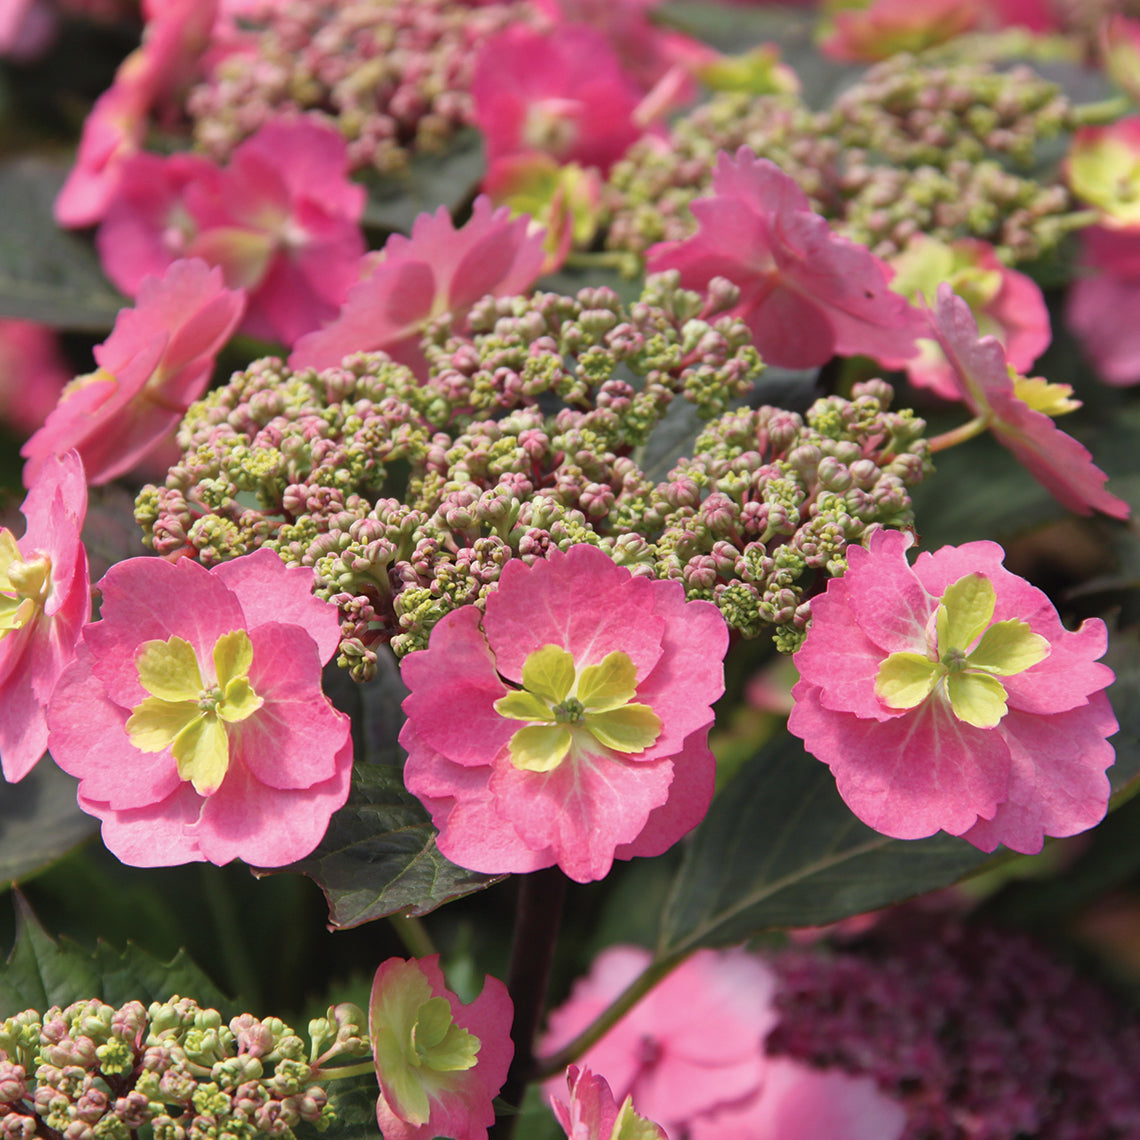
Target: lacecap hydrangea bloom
x=949 y=696
x=440 y=1063
x=193 y=713
x=45 y=597
x=570 y=725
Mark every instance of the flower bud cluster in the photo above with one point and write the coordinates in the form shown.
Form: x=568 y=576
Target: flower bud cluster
x=393 y=75
x=93 y=1072
x=408 y=499
x=910 y=148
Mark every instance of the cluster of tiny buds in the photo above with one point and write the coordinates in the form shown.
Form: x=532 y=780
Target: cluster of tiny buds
x=408 y=498
x=93 y=1072
x=913 y=147
x=392 y=75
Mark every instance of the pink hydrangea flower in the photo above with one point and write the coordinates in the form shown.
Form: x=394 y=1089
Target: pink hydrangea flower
x=868 y=32
x=440 y=1063
x=570 y=725
x=808 y=1104
x=593 y=1114
x=439 y=269
x=949 y=696
x=805 y=293
x=1014 y=409
x=1108 y=287
x=193 y=713
x=1103 y=168
x=1006 y=304
x=561 y=93
x=33 y=373
x=282 y=221
x=692 y=1044
x=45 y=598
x=156 y=362
x=174 y=37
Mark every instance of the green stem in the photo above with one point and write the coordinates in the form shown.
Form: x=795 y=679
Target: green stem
x=1101 y=112
x=341 y=1071
x=959 y=434
x=626 y=263
x=608 y=1018
x=541 y=897
x=413 y=934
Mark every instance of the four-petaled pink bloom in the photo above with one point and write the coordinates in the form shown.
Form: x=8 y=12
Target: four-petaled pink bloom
x=806 y=293
x=561 y=93
x=949 y=696
x=45 y=597
x=440 y=1063
x=282 y=220
x=692 y=1044
x=193 y=713
x=570 y=725
x=156 y=362
x=691 y=1056
x=979 y=366
x=439 y=269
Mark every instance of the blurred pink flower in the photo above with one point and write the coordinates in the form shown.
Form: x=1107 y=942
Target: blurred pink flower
x=949 y=696
x=569 y=727
x=45 y=597
x=592 y=1113
x=799 y=1101
x=156 y=362
x=175 y=35
x=27 y=28
x=1006 y=304
x=439 y=269
x=561 y=93
x=805 y=293
x=281 y=220
x=440 y=1063
x=1103 y=169
x=33 y=373
x=693 y=1043
x=866 y=32
x=193 y=713
x=1107 y=288
x=999 y=400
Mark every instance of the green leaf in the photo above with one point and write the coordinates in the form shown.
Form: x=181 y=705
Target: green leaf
x=42 y=972
x=780 y=849
x=1123 y=657
x=39 y=822
x=379 y=856
x=432 y=180
x=46 y=273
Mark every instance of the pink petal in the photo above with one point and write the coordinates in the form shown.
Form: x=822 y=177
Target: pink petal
x=910 y=776
x=1058 y=784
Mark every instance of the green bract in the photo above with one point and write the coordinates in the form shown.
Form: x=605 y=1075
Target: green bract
x=416 y=1044
x=569 y=708
x=963 y=617
x=185 y=715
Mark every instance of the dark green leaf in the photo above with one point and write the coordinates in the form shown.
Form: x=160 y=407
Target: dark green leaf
x=1123 y=657
x=379 y=856
x=48 y=274
x=42 y=972
x=39 y=822
x=779 y=849
x=432 y=180
x=136 y=975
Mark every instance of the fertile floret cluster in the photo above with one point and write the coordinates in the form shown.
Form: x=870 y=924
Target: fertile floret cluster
x=92 y=1072
x=393 y=75
x=910 y=148
x=408 y=498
